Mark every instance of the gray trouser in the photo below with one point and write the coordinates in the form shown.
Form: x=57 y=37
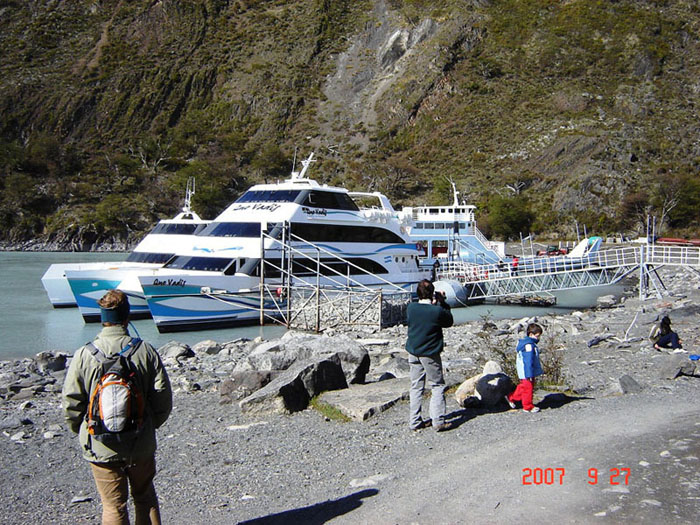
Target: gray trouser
x=430 y=368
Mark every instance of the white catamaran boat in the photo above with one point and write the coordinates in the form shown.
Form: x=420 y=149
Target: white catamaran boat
x=217 y=282
x=83 y=284
x=450 y=233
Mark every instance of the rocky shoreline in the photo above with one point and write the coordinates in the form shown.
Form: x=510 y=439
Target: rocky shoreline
x=243 y=406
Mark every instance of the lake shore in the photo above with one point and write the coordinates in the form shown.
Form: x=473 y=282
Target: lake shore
x=221 y=465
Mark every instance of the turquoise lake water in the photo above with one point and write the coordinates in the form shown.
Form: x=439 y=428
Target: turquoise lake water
x=29 y=324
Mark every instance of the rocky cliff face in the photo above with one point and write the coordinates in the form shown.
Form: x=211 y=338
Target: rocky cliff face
x=585 y=110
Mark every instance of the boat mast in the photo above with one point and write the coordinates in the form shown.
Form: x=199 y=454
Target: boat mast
x=189 y=192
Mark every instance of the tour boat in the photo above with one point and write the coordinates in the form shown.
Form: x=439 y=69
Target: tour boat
x=83 y=284
x=336 y=243
x=450 y=232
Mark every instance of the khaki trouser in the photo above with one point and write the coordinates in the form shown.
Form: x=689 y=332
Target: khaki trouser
x=113 y=480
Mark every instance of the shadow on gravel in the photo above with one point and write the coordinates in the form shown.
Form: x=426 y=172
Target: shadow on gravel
x=315 y=514
x=558 y=400
x=555 y=400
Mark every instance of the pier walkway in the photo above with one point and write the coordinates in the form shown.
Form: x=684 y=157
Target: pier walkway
x=548 y=274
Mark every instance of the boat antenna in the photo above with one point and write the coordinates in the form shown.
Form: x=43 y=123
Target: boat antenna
x=306 y=163
x=294 y=160
x=189 y=192
x=455 y=193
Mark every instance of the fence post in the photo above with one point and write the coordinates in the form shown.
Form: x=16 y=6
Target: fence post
x=318 y=291
x=642 y=273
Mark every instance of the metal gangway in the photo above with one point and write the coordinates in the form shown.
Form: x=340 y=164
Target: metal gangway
x=302 y=286
x=535 y=275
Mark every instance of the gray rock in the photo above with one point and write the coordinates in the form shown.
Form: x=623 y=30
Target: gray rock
x=360 y=402
x=282 y=353
x=207 y=347
x=271 y=355
x=627 y=385
x=395 y=365
x=606 y=301
x=677 y=365
x=598 y=339
x=9 y=423
x=242 y=384
x=292 y=390
x=50 y=362
x=175 y=350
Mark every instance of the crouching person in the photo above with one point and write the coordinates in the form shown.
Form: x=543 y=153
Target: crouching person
x=116 y=393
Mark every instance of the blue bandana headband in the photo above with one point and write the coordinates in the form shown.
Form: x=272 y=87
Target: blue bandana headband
x=115 y=315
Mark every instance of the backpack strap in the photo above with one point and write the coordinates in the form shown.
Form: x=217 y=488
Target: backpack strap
x=131 y=348
x=96 y=352
x=127 y=351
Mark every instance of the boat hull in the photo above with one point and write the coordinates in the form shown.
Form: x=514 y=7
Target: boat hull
x=88 y=287
x=185 y=303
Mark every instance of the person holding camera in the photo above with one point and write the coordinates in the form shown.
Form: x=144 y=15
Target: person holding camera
x=426 y=319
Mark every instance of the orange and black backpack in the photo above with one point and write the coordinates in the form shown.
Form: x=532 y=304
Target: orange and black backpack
x=116 y=410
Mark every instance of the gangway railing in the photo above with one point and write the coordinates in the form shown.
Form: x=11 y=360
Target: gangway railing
x=324 y=296
x=546 y=274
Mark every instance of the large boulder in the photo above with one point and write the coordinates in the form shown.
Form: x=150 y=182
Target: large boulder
x=207 y=347
x=392 y=365
x=175 y=350
x=677 y=365
x=292 y=390
x=242 y=384
x=283 y=353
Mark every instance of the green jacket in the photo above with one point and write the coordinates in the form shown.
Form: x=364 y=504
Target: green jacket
x=81 y=379
x=425 y=324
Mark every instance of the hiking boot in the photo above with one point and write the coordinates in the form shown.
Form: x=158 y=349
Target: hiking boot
x=533 y=410
x=444 y=427
x=510 y=403
x=423 y=424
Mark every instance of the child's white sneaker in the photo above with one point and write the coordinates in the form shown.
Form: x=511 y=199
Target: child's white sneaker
x=532 y=410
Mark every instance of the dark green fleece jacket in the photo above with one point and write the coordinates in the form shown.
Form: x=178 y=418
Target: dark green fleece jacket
x=425 y=324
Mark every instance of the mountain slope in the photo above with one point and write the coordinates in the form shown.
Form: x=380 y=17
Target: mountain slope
x=575 y=110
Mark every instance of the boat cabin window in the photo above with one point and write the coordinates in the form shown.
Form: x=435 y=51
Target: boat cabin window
x=147 y=257
x=303 y=267
x=330 y=200
x=433 y=210
x=429 y=225
x=205 y=264
x=419 y=226
x=336 y=233
x=231 y=229
x=269 y=196
x=177 y=228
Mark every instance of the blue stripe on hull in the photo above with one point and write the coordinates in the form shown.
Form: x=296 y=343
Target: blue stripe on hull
x=179 y=313
x=88 y=291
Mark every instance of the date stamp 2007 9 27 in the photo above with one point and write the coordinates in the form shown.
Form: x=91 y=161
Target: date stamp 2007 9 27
x=555 y=476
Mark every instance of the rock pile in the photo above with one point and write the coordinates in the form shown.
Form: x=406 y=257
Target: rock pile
x=597 y=351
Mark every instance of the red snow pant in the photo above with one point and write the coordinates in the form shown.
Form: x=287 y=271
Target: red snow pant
x=523 y=393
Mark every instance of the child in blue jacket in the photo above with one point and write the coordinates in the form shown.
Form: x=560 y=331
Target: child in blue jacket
x=529 y=367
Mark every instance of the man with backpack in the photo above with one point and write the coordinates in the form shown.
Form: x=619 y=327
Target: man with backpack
x=116 y=393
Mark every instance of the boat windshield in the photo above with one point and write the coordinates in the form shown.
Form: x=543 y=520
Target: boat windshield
x=207 y=264
x=147 y=257
x=177 y=228
x=231 y=229
x=329 y=199
x=269 y=196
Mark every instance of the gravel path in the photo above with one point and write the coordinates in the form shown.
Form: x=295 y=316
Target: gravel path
x=217 y=465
